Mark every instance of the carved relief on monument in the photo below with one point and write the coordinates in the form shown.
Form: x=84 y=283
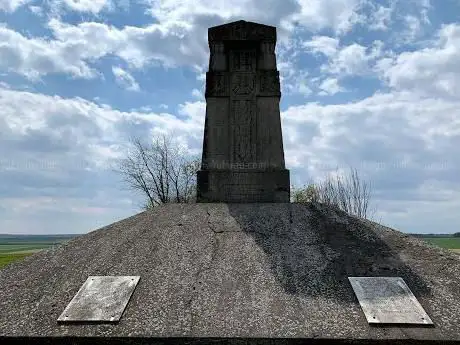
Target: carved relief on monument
x=243 y=66
x=269 y=83
x=216 y=84
x=243 y=130
x=243 y=84
x=243 y=60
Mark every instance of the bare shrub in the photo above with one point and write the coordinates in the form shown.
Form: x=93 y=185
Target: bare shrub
x=348 y=193
x=162 y=171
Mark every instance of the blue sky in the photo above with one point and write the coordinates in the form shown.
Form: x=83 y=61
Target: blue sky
x=373 y=85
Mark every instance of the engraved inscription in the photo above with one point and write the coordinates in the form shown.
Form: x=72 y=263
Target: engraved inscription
x=243 y=60
x=243 y=83
x=243 y=136
x=238 y=191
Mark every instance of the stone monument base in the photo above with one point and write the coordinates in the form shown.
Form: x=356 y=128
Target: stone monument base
x=243 y=186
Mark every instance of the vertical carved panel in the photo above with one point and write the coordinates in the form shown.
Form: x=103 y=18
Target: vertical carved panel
x=243 y=130
x=217 y=59
x=243 y=88
x=219 y=124
x=267 y=58
x=269 y=83
x=216 y=84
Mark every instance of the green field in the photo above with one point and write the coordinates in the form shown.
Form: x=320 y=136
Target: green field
x=5 y=259
x=23 y=247
x=446 y=242
x=17 y=247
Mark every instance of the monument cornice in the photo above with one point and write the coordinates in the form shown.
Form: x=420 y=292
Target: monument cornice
x=242 y=31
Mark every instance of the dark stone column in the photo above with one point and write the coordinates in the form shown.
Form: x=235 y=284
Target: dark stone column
x=243 y=157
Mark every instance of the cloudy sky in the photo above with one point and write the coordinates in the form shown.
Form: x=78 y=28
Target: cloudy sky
x=374 y=85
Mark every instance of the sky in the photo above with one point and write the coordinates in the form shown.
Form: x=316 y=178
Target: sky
x=372 y=85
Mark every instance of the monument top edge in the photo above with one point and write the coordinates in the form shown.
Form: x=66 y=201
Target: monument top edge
x=242 y=30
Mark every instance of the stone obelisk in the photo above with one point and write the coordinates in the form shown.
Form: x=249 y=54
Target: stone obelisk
x=243 y=157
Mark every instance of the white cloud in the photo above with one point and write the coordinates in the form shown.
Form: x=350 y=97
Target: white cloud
x=380 y=18
x=198 y=15
x=57 y=155
x=293 y=81
x=34 y=57
x=433 y=70
x=137 y=46
x=315 y=15
x=405 y=145
x=312 y=14
x=144 y=109
x=36 y=10
x=178 y=38
x=353 y=59
x=125 y=79
x=197 y=93
x=322 y=44
x=330 y=86
x=76 y=46
x=340 y=15
x=413 y=28
x=419 y=129
x=12 y=5
x=194 y=111
x=75 y=131
x=93 y=6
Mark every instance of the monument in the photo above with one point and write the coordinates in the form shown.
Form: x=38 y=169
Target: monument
x=243 y=158
x=234 y=272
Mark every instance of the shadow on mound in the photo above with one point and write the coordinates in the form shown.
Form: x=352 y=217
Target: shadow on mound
x=313 y=249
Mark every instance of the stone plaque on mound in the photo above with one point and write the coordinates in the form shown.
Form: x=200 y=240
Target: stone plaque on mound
x=100 y=299
x=388 y=300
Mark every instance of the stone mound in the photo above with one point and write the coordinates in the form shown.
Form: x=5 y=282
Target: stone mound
x=225 y=271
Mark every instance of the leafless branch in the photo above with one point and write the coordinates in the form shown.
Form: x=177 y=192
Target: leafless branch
x=348 y=193
x=162 y=171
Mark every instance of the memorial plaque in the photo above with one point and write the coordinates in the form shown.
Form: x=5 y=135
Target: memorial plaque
x=100 y=299
x=387 y=300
